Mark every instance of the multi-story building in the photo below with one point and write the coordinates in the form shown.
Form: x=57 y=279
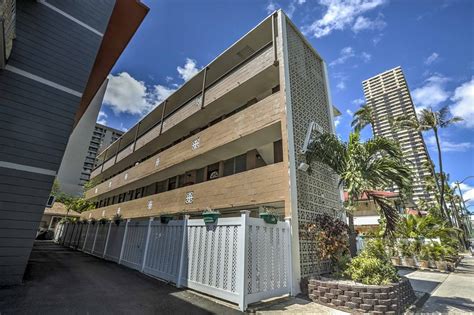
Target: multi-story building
x=102 y=137
x=230 y=139
x=389 y=97
x=56 y=57
x=80 y=155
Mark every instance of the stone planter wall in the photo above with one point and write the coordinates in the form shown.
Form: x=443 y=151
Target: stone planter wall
x=376 y=299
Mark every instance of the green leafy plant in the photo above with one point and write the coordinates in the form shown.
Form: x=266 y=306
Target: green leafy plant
x=372 y=266
x=117 y=218
x=404 y=248
x=364 y=168
x=103 y=221
x=424 y=253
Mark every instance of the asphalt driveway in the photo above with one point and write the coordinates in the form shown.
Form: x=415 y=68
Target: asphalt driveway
x=60 y=280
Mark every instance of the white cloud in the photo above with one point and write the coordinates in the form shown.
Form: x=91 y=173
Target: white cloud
x=448 y=146
x=341 y=85
x=337 y=121
x=125 y=94
x=271 y=7
x=363 y=23
x=377 y=39
x=358 y=101
x=340 y=14
x=346 y=53
x=102 y=118
x=189 y=70
x=464 y=103
x=349 y=112
x=290 y=10
x=467 y=192
x=366 y=57
x=162 y=92
x=431 y=58
x=432 y=93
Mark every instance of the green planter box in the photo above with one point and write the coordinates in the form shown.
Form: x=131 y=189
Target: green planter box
x=210 y=217
x=269 y=218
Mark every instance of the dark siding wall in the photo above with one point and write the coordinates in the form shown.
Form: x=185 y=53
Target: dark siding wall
x=36 y=119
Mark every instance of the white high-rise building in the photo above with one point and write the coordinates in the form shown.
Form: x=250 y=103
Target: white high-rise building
x=388 y=95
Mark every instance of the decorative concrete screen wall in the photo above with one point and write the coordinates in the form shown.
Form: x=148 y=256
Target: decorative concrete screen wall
x=316 y=191
x=242 y=260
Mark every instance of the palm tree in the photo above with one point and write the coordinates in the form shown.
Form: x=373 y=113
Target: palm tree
x=363 y=168
x=362 y=117
x=431 y=120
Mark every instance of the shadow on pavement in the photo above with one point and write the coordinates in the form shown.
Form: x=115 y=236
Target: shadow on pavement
x=446 y=305
x=59 y=280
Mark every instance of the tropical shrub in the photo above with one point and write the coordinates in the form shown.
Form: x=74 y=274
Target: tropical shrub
x=372 y=266
x=330 y=234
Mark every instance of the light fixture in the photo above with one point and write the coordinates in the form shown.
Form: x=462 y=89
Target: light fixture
x=303 y=167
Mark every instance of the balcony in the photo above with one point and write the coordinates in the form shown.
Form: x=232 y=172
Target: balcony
x=251 y=127
x=266 y=184
x=241 y=73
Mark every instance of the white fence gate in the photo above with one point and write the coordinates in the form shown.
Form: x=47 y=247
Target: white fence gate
x=241 y=259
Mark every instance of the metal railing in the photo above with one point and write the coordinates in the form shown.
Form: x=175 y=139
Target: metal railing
x=7 y=29
x=258 y=52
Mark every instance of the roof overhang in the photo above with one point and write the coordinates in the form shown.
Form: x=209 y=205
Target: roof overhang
x=126 y=17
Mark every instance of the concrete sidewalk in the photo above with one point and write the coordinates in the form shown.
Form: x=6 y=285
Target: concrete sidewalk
x=451 y=293
x=59 y=280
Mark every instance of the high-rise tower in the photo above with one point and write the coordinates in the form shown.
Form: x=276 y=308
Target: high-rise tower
x=388 y=95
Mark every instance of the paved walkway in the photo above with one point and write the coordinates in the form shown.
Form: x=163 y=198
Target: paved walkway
x=62 y=281
x=299 y=306
x=451 y=293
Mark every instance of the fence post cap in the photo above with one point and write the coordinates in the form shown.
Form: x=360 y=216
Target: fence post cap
x=245 y=212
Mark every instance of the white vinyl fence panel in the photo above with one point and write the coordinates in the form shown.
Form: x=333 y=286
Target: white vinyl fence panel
x=241 y=259
x=164 y=250
x=100 y=239
x=134 y=244
x=268 y=260
x=114 y=244
x=212 y=257
x=90 y=237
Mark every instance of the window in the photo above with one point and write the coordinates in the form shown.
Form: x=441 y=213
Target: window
x=161 y=186
x=213 y=171
x=240 y=163
x=229 y=167
x=172 y=183
x=200 y=175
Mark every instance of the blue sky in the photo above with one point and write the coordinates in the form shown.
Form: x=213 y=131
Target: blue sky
x=432 y=40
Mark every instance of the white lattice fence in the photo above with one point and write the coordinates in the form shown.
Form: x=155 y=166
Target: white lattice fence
x=134 y=244
x=89 y=241
x=240 y=259
x=164 y=250
x=100 y=239
x=268 y=260
x=114 y=244
x=213 y=260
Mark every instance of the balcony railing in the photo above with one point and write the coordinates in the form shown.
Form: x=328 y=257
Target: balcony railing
x=7 y=29
x=262 y=185
x=248 y=121
x=243 y=71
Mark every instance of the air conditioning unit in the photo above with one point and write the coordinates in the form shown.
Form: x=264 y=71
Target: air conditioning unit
x=7 y=30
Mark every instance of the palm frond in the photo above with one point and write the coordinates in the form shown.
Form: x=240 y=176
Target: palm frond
x=389 y=212
x=362 y=117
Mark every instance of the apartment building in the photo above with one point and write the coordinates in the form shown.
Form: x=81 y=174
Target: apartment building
x=80 y=155
x=230 y=139
x=56 y=57
x=388 y=95
x=102 y=137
